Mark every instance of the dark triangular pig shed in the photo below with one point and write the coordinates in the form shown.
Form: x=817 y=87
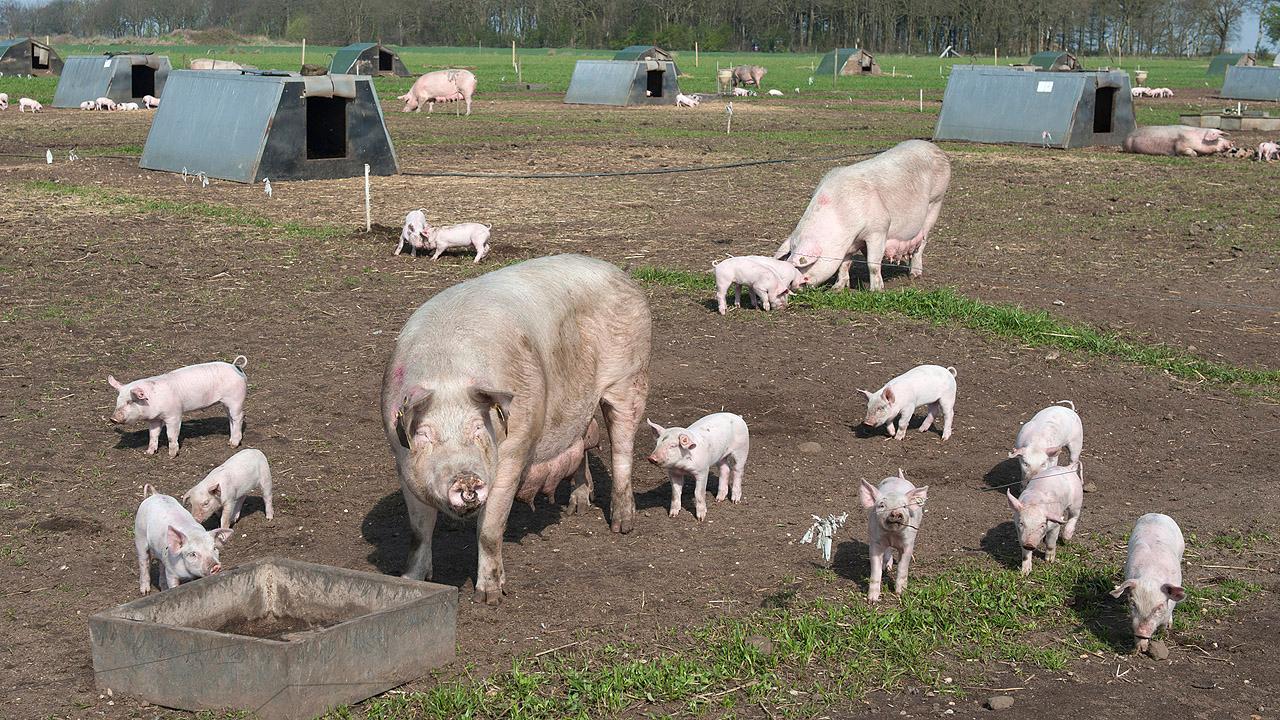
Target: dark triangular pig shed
x=24 y=56
x=367 y=59
x=123 y=78
x=251 y=126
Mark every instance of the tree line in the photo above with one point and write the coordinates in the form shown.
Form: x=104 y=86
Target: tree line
x=1016 y=27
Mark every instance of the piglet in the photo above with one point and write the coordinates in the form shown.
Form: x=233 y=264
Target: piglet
x=720 y=440
x=1043 y=436
x=896 y=402
x=1268 y=151
x=128 y=106
x=894 y=511
x=88 y=105
x=227 y=486
x=161 y=400
x=741 y=92
x=163 y=529
x=461 y=235
x=414 y=232
x=768 y=281
x=1152 y=575
x=105 y=103
x=150 y=102
x=1048 y=507
x=28 y=105
x=4 y=101
x=776 y=92
x=683 y=100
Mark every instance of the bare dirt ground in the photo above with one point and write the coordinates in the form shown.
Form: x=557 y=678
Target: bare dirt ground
x=1177 y=251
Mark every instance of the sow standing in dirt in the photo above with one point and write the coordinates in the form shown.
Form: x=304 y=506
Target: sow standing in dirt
x=884 y=206
x=491 y=389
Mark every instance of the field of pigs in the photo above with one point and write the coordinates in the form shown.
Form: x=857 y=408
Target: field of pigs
x=1142 y=289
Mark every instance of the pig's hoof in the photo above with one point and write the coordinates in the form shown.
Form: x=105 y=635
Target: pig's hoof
x=673 y=512
x=173 y=453
x=873 y=598
x=623 y=522
x=702 y=516
x=492 y=598
x=151 y=451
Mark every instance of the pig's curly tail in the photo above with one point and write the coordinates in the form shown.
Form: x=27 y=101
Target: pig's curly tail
x=240 y=363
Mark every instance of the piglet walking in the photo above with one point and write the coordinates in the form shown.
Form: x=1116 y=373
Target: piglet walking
x=718 y=440
x=1049 y=507
x=1042 y=438
x=161 y=400
x=769 y=281
x=896 y=402
x=163 y=529
x=226 y=487
x=1153 y=575
x=894 y=511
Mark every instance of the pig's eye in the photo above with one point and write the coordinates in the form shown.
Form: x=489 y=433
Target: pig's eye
x=191 y=554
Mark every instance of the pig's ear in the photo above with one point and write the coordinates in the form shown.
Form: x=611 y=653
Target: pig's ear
x=1175 y=592
x=214 y=489
x=888 y=394
x=868 y=494
x=1120 y=589
x=138 y=392
x=901 y=475
x=1052 y=452
x=113 y=382
x=176 y=540
x=657 y=429
x=919 y=495
x=868 y=393
x=221 y=536
x=687 y=442
x=1055 y=519
x=1016 y=452
x=415 y=401
x=1014 y=502
x=184 y=497
x=497 y=399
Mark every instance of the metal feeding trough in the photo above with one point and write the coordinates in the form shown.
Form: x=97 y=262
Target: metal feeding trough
x=1247 y=120
x=280 y=638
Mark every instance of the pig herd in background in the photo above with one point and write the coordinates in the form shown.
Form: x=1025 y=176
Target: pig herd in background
x=500 y=408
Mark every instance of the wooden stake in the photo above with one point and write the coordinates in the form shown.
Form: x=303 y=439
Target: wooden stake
x=513 y=54
x=997 y=60
x=304 y=51
x=368 y=211
x=921 y=99
x=695 y=54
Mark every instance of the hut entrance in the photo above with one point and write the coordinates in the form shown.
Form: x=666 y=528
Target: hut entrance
x=326 y=127
x=144 y=80
x=39 y=57
x=386 y=61
x=1104 y=105
x=653 y=83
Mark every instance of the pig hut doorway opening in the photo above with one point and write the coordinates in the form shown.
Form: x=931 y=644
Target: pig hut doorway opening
x=386 y=61
x=653 y=83
x=1104 y=108
x=326 y=127
x=39 y=57
x=143 y=80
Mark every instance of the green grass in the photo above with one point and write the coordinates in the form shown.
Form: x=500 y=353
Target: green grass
x=223 y=213
x=833 y=650
x=1034 y=328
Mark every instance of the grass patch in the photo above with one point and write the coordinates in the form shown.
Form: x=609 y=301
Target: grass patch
x=223 y=213
x=833 y=650
x=1035 y=328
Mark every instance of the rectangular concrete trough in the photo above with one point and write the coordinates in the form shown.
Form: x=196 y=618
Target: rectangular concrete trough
x=281 y=638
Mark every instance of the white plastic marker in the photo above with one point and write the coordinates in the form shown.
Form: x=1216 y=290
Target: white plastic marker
x=266 y=186
x=728 y=111
x=921 y=99
x=48 y=157
x=823 y=531
x=368 y=214
x=72 y=156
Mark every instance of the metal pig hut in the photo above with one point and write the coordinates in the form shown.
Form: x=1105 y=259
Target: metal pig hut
x=24 y=56
x=1251 y=83
x=251 y=126
x=123 y=78
x=1220 y=63
x=1054 y=109
x=367 y=59
x=851 y=61
x=619 y=82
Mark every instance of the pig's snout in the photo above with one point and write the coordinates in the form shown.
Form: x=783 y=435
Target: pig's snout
x=468 y=492
x=897 y=517
x=1028 y=546
x=655 y=459
x=216 y=567
x=117 y=417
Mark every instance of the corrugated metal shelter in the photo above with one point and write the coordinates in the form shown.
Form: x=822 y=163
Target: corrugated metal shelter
x=621 y=82
x=1251 y=83
x=1220 y=63
x=254 y=125
x=645 y=52
x=24 y=56
x=123 y=78
x=852 y=61
x=367 y=59
x=1056 y=61
x=991 y=104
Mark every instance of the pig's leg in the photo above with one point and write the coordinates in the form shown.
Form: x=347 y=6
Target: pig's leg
x=842 y=277
x=468 y=105
x=1074 y=448
x=173 y=426
x=422 y=519
x=153 y=436
x=739 y=467
x=875 y=255
x=1069 y=529
x=904 y=563
x=144 y=563
x=721 y=289
x=580 y=498
x=677 y=489
x=723 y=476
x=169 y=577
x=783 y=250
x=399 y=247
x=737 y=295
x=917 y=260
x=1026 y=561
x=439 y=251
x=235 y=415
x=228 y=515
x=948 y=405
x=888 y=558
x=482 y=249
x=903 y=421
x=239 y=507
x=877 y=570
x=700 y=494
x=623 y=407
x=491 y=577
x=1051 y=542
x=933 y=409
x=265 y=484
